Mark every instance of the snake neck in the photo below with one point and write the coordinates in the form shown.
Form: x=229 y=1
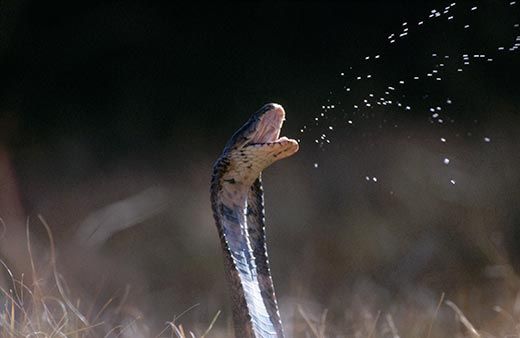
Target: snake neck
x=237 y=204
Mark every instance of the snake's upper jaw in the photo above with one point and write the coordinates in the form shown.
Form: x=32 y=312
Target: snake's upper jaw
x=268 y=123
x=266 y=134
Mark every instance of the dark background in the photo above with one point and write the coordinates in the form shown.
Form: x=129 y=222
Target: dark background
x=102 y=101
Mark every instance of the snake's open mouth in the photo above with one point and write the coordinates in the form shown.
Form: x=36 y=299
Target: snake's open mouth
x=269 y=126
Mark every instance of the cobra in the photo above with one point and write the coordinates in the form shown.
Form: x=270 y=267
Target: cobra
x=238 y=208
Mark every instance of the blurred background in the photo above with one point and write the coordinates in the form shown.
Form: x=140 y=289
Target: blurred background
x=405 y=188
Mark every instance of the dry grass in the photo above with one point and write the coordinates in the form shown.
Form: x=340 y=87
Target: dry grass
x=384 y=326
x=43 y=308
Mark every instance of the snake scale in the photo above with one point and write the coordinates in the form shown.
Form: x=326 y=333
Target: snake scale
x=238 y=207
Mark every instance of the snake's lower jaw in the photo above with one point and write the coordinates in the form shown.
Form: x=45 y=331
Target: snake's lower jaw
x=290 y=147
x=247 y=163
x=268 y=153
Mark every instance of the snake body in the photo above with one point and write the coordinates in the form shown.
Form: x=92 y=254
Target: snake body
x=238 y=207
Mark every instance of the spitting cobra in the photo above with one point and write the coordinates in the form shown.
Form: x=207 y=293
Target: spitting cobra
x=238 y=207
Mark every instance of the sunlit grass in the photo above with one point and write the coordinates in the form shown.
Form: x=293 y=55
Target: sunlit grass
x=426 y=325
x=43 y=308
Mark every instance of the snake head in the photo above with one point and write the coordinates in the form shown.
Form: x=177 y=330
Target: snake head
x=257 y=144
